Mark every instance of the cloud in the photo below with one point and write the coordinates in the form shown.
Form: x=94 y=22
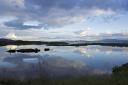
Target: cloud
x=86 y=32
x=58 y=12
x=31 y=16
x=9 y=7
x=86 y=4
x=17 y=24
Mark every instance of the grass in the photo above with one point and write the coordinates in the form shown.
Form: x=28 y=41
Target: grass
x=121 y=70
x=88 y=80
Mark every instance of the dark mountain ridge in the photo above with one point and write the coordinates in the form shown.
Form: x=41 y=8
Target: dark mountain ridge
x=105 y=42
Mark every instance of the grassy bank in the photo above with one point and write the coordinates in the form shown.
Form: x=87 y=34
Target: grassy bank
x=89 y=80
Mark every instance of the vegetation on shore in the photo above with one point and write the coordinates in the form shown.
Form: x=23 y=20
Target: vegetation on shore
x=88 y=80
x=121 y=70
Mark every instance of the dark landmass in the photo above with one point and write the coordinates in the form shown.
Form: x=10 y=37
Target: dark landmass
x=106 y=42
x=4 y=42
x=24 y=50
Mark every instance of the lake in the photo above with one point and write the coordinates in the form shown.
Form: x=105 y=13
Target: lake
x=61 y=61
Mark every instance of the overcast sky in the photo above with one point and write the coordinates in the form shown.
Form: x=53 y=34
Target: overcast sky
x=63 y=19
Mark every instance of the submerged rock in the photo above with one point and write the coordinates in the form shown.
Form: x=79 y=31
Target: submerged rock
x=11 y=51
x=46 y=49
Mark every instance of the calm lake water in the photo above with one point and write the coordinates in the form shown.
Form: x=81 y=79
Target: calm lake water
x=61 y=61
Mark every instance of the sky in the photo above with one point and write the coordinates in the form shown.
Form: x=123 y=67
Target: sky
x=63 y=19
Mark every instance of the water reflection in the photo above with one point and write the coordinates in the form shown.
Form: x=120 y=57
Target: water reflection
x=13 y=47
x=52 y=66
x=89 y=51
x=31 y=60
x=61 y=62
x=6 y=65
x=84 y=51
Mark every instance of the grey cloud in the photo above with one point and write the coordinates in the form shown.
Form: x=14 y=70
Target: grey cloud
x=57 y=12
x=86 y=4
x=19 y=25
x=62 y=12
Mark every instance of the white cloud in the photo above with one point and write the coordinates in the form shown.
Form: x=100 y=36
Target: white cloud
x=99 y=12
x=11 y=36
x=86 y=32
x=32 y=23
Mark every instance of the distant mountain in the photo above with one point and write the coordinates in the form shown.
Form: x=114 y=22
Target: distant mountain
x=113 y=41
x=4 y=42
x=105 y=42
x=99 y=41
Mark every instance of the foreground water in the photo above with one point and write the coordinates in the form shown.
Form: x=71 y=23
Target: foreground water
x=61 y=61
